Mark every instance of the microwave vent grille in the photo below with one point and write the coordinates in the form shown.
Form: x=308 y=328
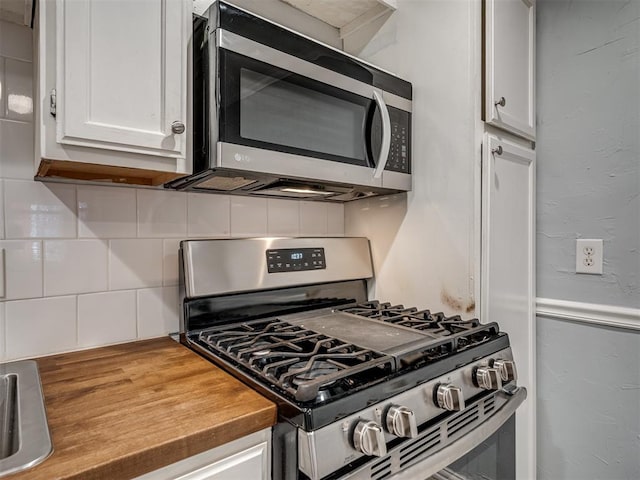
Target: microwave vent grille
x=226 y=184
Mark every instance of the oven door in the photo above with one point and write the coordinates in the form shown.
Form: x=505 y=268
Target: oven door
x=493 y=459
x=476 y=443
x=486 y=452
x=309 y=116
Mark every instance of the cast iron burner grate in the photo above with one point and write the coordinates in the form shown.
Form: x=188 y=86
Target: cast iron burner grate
x=433 y=324
x=307 y=365
x=450 y=334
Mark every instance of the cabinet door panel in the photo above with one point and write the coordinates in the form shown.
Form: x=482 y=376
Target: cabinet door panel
x=508 y=280
x=247 y=457
x=122 y=75
x=509 y=65
x=250 y=463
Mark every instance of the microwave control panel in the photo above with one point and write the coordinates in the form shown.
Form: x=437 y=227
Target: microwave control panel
x=295 y=259
x=399 y=156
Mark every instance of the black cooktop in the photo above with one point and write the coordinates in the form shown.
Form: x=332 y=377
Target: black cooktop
x=314 y=361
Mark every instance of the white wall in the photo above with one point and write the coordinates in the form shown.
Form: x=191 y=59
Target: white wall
x=423 y=242
x=588 y=178
x=94 y=265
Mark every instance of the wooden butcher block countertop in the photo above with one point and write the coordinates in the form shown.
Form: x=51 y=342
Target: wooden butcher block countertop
x=118 y=412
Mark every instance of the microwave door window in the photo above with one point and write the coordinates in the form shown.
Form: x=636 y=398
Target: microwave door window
x=289 y=113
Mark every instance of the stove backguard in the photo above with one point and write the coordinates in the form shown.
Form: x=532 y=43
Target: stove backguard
x=201 y=313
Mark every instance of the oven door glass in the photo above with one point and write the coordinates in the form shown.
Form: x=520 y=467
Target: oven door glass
x=271 y=108
x=493 y=459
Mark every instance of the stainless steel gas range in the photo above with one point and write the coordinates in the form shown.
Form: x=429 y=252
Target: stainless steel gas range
x=365 y=390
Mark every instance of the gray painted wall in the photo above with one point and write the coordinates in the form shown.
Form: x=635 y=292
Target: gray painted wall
x=588 y=90
x=588 y=149
x=588 y=402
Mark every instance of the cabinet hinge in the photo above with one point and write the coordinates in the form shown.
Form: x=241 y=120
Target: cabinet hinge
x=52 y=102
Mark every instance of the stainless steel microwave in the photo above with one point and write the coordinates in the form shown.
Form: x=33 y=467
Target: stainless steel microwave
x=276 y=113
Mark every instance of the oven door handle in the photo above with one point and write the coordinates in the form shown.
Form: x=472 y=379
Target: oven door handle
x=386 y=135
x=441 y=459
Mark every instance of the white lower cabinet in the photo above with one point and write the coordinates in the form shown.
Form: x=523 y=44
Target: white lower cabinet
x=246 y=458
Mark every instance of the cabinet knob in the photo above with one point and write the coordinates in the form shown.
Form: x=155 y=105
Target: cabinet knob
x=177 y=127
x=502 y=102
x=497 y=150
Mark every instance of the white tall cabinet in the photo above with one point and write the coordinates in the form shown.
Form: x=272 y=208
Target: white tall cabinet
x=462 y=240
x=507 y=283
x=112 y=87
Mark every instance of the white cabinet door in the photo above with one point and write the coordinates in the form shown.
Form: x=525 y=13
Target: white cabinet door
x=121 y=76
x=509 y=94
x=247 y=457
x=249 y=464
x=508 y=279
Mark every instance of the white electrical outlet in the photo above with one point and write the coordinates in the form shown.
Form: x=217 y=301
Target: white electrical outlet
x=589 y=256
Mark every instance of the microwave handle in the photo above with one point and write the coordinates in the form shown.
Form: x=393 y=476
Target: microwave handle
x=386 y=135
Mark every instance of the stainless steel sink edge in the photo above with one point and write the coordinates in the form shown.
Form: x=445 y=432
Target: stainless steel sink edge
x=33 y=429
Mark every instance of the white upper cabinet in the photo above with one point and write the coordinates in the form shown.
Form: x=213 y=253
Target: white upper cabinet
x=509 y=93
x=119 y=72
x=122 y=75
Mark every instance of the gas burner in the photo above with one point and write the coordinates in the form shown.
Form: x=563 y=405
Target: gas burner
x=299 y=361
x=310 y=371
x=434 y=324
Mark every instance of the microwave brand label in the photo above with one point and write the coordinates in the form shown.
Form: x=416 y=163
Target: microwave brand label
x=239 y=157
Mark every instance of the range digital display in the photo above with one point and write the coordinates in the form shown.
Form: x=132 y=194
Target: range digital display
x=295 y=259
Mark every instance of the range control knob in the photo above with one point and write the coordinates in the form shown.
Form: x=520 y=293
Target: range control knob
x=487 y=378
x=449 y=397
x=401 y=422
x=507 y=370
x=368 y=438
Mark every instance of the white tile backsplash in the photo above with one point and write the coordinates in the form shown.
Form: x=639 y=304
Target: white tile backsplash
x=313 y=219
x=40 y=326
x=208 y=215
x=39 y=210
x=16 y=41
x=170 y=261
x=3 y=104
x=74 y=266
x=18 y=90
x=1 y=208
x=157 y=311
x=111 y=250
x=162 y=213
x=107 y=317
x=16 y=150
x=106 y=212
x=23 y=268
x=3 y=334
x=335 y=219
x=283 y=217
x=248 y=217
x=135 y=263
